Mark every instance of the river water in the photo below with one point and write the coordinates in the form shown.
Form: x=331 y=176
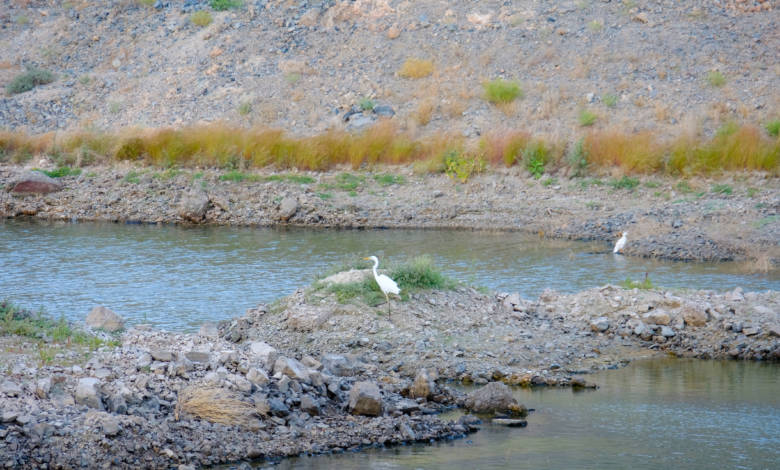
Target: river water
x=178 y=277
x=660 y=414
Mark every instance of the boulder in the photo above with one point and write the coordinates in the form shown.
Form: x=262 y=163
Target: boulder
x=599 y=324
x=309 y=405
x=43 y=387
x=667 y=332
x=11 y=389
x=287 y=208
x=257 y=376
x=694 y=317
x=161 y=355
x=291 y=368
x=657 y=317
x=89 y=393
x=193 y=206
x=495 y=397
x=105 y=319
x=365 y=399
x=35 y=182
x=423 y=386
x=201 y=357
x=209 y=330
x=264 y=353
x=510 y=423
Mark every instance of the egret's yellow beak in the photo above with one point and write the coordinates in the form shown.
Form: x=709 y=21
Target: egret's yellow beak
x=366 y=258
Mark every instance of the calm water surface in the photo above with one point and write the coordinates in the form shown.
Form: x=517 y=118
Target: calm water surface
x=178 y=277
x=668 y=414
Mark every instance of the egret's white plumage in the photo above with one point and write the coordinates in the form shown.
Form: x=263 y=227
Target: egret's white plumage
x=620 y=243
x=386 y=285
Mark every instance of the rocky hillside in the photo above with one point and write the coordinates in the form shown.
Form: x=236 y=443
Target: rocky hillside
x=301 y=66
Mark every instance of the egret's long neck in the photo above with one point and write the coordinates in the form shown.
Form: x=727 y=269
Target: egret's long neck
x=376 y=264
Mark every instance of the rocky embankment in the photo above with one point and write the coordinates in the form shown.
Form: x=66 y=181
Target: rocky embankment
x=738 y=220
x=311 y=375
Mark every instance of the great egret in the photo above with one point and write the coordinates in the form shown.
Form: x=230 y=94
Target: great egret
x=620 y=243
x=386 y=285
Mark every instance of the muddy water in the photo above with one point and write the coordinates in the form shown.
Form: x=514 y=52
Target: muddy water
x=657 y=414
x=178 y=277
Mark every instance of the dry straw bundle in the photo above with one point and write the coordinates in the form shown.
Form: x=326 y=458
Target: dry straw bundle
x=217 y=405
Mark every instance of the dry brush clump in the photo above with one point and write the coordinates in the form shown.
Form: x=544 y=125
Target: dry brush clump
x=733 y=148
x=217 y=405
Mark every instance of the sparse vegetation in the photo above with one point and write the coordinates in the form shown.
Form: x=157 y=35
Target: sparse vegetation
x=722 y=188
x=502 y=91
x=245 y=108
x=132 y=177
x=201 y=18
x=609 y=100
x=626 y=182
x=628 y=283
x=222 y=5
x=535 y=157
x=587 y=118
x=462 y=166
x=366 y=104
x=61 y=171
x=28 y=80
x=716 y=78
x=416 y=68
x=773 y=127
x=387 y=179
x=577 y=159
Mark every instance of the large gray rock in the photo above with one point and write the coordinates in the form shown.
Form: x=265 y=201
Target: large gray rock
x=263 y=353
x=193 y=206
x=89 y=393
x=365 y=399
x=495 y=397
x=105 y=319
x=161 y=355
x=11 y=389
x=423 y=386
x=257 y=376
x=287 y=208
x=209 y=330
x=291 y=368
x=35 y=182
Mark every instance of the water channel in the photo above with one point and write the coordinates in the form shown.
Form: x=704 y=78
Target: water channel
x=176 y=278
x=660 y=414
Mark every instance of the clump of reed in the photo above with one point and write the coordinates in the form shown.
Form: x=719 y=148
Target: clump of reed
x=217 y=405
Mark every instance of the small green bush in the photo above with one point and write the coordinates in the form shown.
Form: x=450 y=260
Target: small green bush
x=62 y=171
x=609 y=100
x=366 y=104
x=722 y=189
x=461 y=166
x=201 y=18
x=502 y=91
x=716 y=79
x=535 y=157
x=388 y=179
x=773 y=127
x=628 y=283
x=577 y=159
x=420 y=273
x=222 y=5
x=245 y=108
x=587 y=118
x=29 y=80
x=626 y=182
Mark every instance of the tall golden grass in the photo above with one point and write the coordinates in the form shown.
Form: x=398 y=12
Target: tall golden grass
x=733 y=148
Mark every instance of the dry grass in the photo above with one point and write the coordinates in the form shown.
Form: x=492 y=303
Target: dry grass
x=416 y=68
x=217 y=405
x=733 y=148
x=424 y=112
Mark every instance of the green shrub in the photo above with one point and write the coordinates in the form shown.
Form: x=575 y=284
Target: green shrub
x=630 y=284
x=389 y=180
x=502 y=91
x=245 y=108
x=716 y=79
x=587 y=118
x=535 y=157
x=29 y=80
x=366 y=104
x=420 y=273
x=131 y=149
x=626 y=182
x=201 y=18
x=773 y=127
x=722 y=189
x=609 y=100
x=222 y=5
x=61 y=171
x=577 y=159
x=461 y=166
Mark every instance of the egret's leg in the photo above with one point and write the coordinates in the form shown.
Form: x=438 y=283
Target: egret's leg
x=387 y=299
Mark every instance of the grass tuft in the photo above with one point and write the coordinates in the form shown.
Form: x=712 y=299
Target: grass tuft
x=60 y=172
x=420 y=273
x=587 y=118
x=216 y=405
x=222 y=5
x=716 y=78
x=773 y=127
x=201 y=18
x=416 y=68
x=628 y=283
x=502 y=91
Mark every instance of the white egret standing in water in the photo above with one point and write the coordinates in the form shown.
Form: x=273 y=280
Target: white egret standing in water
x=386 y=285
x=620 y=243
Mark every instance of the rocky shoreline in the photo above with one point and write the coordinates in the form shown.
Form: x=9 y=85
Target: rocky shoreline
x=310 y=375
x=734 y=218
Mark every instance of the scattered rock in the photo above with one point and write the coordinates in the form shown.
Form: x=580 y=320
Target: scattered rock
x=365 y=399
x=600 y=324
x=495 y=397
x=287 y=208
x=35 y=182
x=657 y=317
x=193 y=206
x=89 y=393
x=423 y=386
